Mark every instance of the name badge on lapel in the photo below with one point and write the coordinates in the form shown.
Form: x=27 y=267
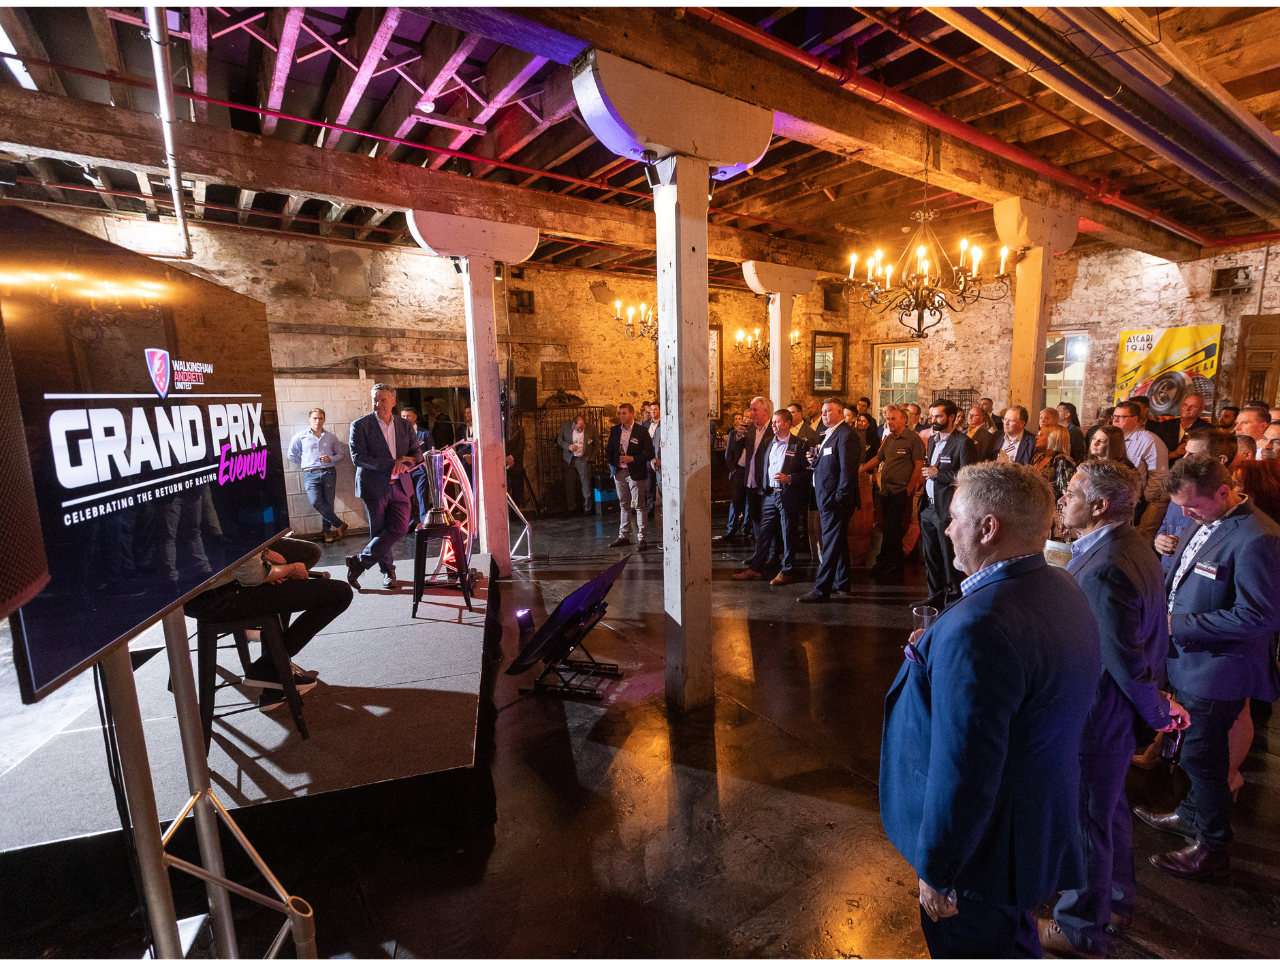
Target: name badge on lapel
x=1206 y=569
x=827 y=452
x=944 y=460
x=789 y=453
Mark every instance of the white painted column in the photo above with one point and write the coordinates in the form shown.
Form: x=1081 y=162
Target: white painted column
x=1039 y=232
x=486 y=413
x=479 y=243
x=680 y=206
x=781 y=284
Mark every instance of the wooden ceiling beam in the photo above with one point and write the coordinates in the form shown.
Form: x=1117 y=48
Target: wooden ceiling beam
x=374 y=29
x=518 y=126
x=814 y=111
x=284 y=25
x=199 y=45
x=552 y=149
x=444 y=49
x=27 y=43
x=104 y=38
x=84 y=132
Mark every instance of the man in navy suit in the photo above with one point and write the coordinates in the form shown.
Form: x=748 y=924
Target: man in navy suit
x=835 y=462
x=979 y=771
x=786 y=497
x=948 y=451
x=1016 y=444
x=628 y=452
x=384 y=449
x=1124 y=585
x=1220 y=444
x=1223 y=611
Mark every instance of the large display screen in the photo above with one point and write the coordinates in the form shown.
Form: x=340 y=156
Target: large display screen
x=149 y=409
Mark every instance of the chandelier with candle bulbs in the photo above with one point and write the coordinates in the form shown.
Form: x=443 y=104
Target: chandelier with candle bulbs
x=925 y=282
x=755 y=347
x=646 y=327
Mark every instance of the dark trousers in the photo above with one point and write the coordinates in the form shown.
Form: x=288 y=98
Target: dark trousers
x=755 y=509
x=577 y=475
x=775 y=522
x=982 y=930
x=939 y=560
x=738 y=505
x=318 y=603
x=1084 y=914
x=1206 y=759
x=388 y=522
x=895 y=510
x=833 y=571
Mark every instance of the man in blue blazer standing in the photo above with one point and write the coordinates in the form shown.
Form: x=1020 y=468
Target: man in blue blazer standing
x=979 y=771
x=1124 y=585
x=1224 y=612
x=835 y=463
x=384 y=449
x=786 y=497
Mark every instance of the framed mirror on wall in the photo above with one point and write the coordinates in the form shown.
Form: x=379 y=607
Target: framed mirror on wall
x=829 y=363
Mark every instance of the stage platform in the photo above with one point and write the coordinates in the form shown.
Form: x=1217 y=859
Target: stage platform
x=397 y=697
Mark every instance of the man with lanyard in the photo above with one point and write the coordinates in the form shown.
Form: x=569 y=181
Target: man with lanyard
x=1016 y=445
x=1223 y=612
x=317 y=452
x=785 y=497
x=900 y=458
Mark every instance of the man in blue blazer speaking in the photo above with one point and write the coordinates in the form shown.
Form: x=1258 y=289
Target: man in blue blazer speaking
x=979 y=770
x=1223 y=612
x=1123 y=581
x=384 y=449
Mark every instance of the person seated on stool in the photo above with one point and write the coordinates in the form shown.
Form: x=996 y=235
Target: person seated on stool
x=276 y=581
x=384 y=449
x=786 y=496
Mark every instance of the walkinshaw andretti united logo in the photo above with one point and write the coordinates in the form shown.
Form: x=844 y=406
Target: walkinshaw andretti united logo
x=158 y=367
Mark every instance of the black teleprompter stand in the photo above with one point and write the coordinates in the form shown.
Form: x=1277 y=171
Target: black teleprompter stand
x=571 y=676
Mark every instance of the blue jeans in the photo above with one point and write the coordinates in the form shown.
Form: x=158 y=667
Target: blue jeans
x=320 y=486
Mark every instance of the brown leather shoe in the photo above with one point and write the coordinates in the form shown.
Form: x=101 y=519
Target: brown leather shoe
x=1195 y=862
x=1168 y=822
x=782 y=579
x=748 y=575
x=1054 y=941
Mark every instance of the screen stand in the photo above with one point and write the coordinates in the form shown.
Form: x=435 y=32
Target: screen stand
x=571 y=677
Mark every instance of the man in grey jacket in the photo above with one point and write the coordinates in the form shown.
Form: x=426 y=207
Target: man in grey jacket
x=1122 y=580
x=578 y=440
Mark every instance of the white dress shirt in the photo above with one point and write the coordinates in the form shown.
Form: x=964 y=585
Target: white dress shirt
x=388 y=433
x=774 y=461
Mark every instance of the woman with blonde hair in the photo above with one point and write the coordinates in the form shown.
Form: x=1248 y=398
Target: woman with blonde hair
x=1053 y=457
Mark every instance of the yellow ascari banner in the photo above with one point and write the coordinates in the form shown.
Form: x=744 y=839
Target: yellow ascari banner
x=1166 y=365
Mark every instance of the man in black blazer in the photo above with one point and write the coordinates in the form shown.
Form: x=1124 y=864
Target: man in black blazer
x=949 y=449
x=384 y=449
x=1174 y=433
x=1122 y=580
x=984 y=441
x=786 y=497
x=629 y=451
x=835 y=462
x=744 y=454
x=1224 y=611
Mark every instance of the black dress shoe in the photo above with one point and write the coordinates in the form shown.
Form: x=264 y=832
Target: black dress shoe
x=1195 y=862
x=353 y=572
x=621 y=542
x=1168 y=822
x=812 y=597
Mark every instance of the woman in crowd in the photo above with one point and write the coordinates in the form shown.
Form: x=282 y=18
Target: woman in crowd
x=1107 y=443
x=1103 y=421
x=863 y=423
x=1053 y=457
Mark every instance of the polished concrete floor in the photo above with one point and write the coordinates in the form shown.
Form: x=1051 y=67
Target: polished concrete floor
x=749 y=828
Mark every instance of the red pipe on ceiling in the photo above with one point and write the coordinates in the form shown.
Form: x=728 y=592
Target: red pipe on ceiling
x=877 y=92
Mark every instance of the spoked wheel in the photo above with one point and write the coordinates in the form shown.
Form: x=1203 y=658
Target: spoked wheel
x=461 y=504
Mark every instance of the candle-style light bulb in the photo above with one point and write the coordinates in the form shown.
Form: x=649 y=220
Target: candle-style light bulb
x=741 y=335
x=617 y=308
x=853 y=262
x=977 y=258
x=871 y=266
x=878 y=256
x=630 y=315
x=888 y=276
x=1004 y=252
x=964 y=245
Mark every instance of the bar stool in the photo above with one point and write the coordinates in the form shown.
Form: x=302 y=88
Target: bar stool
x=208 y=633
x=423 y=536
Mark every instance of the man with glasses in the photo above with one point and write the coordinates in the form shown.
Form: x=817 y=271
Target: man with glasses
x=1017 y=445
x=1143 y=446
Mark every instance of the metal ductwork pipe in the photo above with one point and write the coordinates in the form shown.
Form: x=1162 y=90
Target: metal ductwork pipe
x=1009 y=47
x=1048 y=42
x=158 y=28
x=1127 y=61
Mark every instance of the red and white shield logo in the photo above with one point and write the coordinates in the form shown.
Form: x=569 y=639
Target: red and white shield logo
x=158 y=367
